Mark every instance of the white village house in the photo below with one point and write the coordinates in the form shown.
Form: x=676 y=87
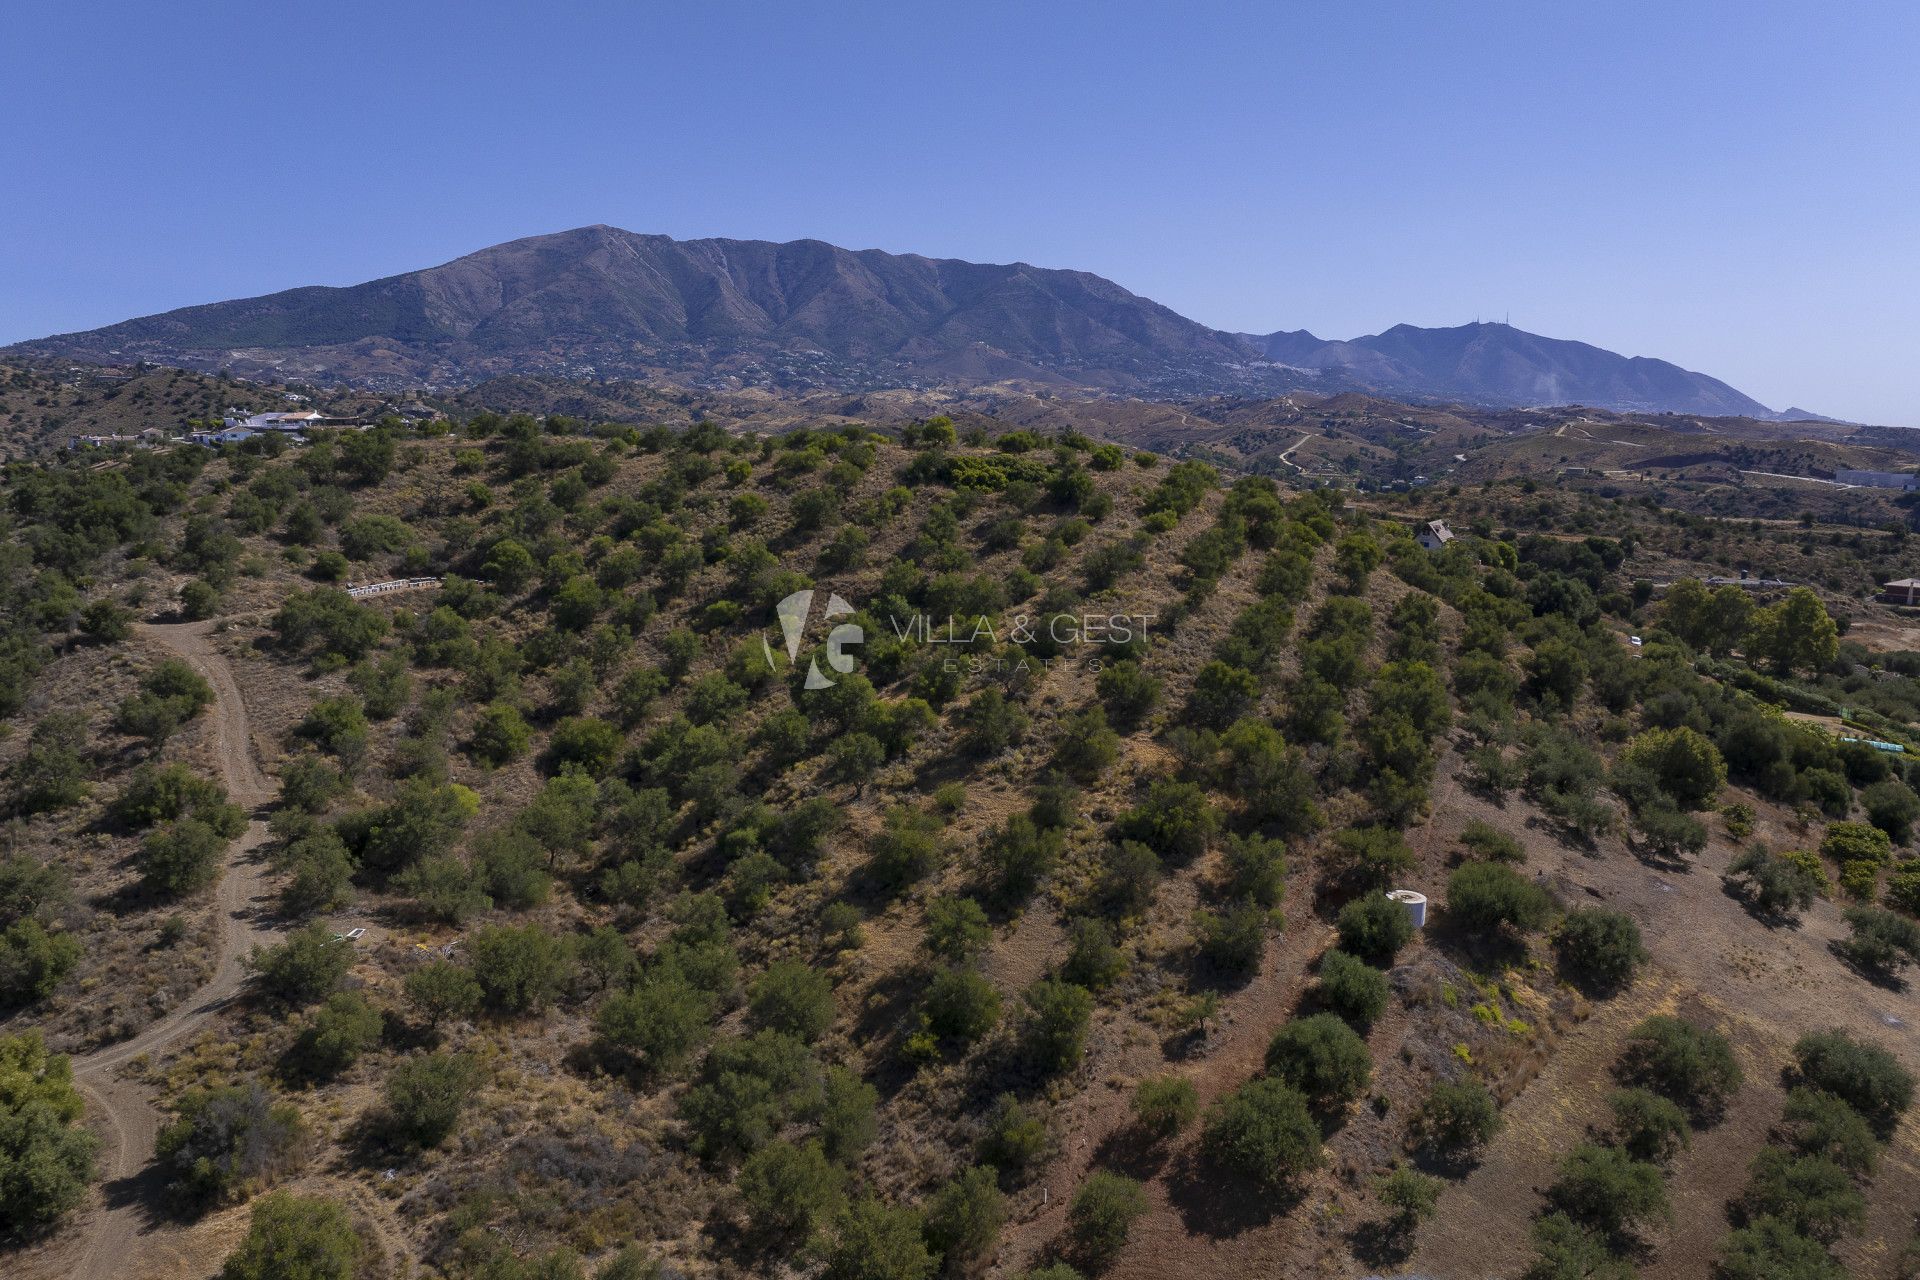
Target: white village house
x=296 y=420
x=1433 y=535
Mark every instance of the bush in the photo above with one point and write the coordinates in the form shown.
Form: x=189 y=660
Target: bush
x=1865 y=1077
x=845 y=1118
x=1882 y=943
x=964 y=1218
x=957 y=929
x=1692 y=1066
x=961 y=1005
x=1264 y=1132
x=1609 y=1191
x=181 y=858
x=793 y=998
x=1352 y=988
x=1892 y=807
x=305 y=968
x=1490 y=844
x=1816 y=1123
x=345 y=1027
x=1483 y=896
x=1232 y=940
x=1164 y=1105
x=1410 y=1197
x=1769 y=1249
x=521 y=969
x=1013 y=1138
x=872 y=1240
x=1256 y=869
x=1647 y=1126
x=500 y=735
x=443 y=990
x=1811 y=1194
x=425 y=1097
x=661 y=1019
x=33 y=961
x=1102 y=1213
x=1374 y=927
x=790 y=1189
x=289 y=1236
x=1457 y=1119
x=1093 y=961
x=226 y=1142
x=46 y=1157
x=1683 y=762
x=1778 y=888
x=1322 y=1057
x=1600 y=948
x=1058 y=1014
x=1846 y=842
x=1566 y=1250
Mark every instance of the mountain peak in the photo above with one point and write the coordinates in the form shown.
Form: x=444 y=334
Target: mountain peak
x=599 y=300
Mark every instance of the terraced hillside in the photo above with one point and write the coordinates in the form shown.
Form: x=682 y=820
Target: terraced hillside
x=885 y=854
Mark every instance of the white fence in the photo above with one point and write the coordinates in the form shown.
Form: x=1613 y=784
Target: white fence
x=397 y=584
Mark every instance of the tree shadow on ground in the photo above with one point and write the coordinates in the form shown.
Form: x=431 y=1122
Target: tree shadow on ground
x=1214 y=1203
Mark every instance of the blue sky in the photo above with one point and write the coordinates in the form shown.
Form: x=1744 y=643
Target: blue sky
x=1729 y=186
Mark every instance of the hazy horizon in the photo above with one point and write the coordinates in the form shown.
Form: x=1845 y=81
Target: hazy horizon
x=1724 y=188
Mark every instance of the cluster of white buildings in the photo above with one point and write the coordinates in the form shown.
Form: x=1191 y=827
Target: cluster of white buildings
x=236 y=426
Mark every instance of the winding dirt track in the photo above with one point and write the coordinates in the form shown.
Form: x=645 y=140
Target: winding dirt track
x=113 y=1235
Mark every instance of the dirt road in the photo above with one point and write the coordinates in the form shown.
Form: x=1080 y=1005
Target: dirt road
x=116 y=1234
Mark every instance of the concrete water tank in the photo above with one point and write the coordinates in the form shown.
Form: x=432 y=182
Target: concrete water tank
x=1415 y=903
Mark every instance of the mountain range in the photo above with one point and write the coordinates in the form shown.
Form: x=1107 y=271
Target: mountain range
x=602 y=302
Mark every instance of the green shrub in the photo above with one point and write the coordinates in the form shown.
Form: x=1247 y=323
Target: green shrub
x=790 y=1189
x=964 y=1218
x=1013 y=1138
x=1265 y=1132
x=426 y=1095
x=226 y=1141
x=305 y=968
x=1374 y=927
x=1882 y=942
x=1322 y=1057
x=345 y=1027
x=1609 y=1191
x=1232 y=940
x=1410 y=1198
x=33 y=961
x=1352 y=988
x=1777 y=887
x=957 y=929
x=1490 y=844
x=1102 y=1214
x=1769 y=1249
x=871 y=1240
x=1058 y=1014
x=1484 y=896
x=1164 y=1105
x=521 y=969
x=1817 y=1123
x=1647 y=1126
x=308 y=1237
x=1865 y=1077
x=1690 y=1065
x=46 y=1156
x=1811 y=1194
x=793 y=998
x=181 y=858
x=1600 y=948
x=961 y=1005
x=1457 y=1118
